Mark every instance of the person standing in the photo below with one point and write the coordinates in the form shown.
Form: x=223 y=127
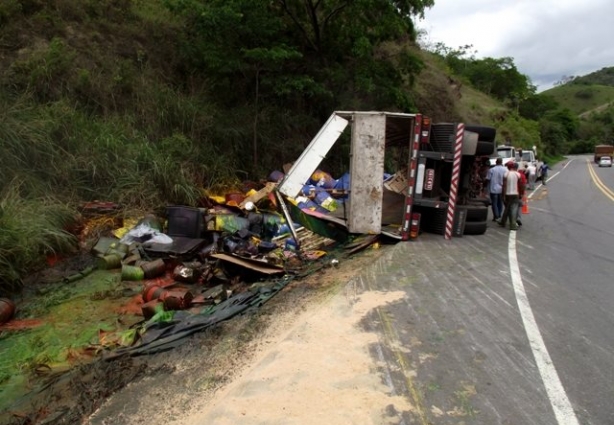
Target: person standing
x=532 y=175
x=511 y=183
x=522 y=184
x=495 y=188
x=544 y=170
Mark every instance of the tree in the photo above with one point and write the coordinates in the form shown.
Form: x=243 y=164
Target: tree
x=302 y=55
x=496 y=77
x=535 y=106
x=559 y=130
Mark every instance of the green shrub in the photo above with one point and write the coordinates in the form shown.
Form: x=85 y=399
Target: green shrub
x=585 y=94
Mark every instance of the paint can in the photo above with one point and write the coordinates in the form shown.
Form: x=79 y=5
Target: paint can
x=154 y=268
x=109 y=262
x=149 y=308
x=132 y=273
x=7 y=310
x=152 y=292
x=177 y=299
x=234 y=199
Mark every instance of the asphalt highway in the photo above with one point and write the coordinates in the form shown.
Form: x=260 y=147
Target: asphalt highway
x=507 y=327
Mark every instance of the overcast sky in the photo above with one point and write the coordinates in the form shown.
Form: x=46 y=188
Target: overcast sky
x=547 y=39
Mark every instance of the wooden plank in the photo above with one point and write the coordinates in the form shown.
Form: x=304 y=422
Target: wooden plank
x=262 y=193
x=255 y=265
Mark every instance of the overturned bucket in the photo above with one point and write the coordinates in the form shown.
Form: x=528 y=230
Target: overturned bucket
x=152 y=293
x=109 y=262
x=154 y=268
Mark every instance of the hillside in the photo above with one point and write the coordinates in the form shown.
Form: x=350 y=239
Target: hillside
x=590 y=93
x=146 y=105
x=446 y=98
x=103 y=89
x=582 y=98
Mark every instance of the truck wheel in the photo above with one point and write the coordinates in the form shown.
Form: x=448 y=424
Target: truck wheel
x=484 y=148
x=475 y=213
x=485 y=134
x=475 y=227
x=479 y=201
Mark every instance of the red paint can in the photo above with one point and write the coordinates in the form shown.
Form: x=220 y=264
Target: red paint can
x=7 y=310
x=152 y=293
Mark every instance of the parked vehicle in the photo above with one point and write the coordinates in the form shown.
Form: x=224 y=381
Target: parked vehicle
x=507 y=153
x=603 y=150
x=605 y=161
x=526 y=156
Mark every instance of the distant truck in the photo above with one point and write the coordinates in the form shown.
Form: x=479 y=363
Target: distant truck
x=506 y=153
x=526 y=156
x=603 y=150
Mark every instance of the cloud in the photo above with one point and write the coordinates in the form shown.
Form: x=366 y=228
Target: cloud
x=547 y=39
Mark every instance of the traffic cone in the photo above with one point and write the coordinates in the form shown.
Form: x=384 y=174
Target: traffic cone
x=525 y=205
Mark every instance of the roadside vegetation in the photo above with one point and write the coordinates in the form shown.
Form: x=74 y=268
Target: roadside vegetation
x=148 y=103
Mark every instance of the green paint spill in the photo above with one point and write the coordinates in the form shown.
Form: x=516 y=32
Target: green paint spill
x=72 y=313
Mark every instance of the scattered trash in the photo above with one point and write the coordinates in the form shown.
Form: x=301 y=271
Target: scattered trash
x=144 y=233
x=189 y=273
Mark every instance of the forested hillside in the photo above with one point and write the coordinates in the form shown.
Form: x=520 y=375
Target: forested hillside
x=149 y=102
x=588 y=103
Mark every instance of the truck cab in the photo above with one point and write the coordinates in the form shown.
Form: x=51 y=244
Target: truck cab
x=507 y=153
x=526 y=157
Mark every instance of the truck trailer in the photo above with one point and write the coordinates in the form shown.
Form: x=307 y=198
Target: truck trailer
x=603 y=150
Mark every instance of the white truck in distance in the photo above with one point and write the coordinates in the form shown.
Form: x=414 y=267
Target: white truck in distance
x=527 y=157
x=506 y=153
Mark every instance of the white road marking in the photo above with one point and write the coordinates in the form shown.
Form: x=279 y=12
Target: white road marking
x=550 y=178
x=556 y=393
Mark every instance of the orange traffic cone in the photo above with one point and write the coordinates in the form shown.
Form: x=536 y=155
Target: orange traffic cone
x=525 y=205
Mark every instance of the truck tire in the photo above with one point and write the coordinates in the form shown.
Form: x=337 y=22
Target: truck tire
x=484 y=148
x=475 y=213
x=485 y=134
x=475 y=227
x=479 y=201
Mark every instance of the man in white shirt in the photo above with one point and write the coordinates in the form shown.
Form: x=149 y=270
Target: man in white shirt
x=532 y=175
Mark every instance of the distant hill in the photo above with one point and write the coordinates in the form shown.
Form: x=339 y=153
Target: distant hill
x=603 y=77
x=589 y=93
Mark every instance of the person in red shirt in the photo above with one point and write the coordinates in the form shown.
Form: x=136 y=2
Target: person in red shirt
x=522 y=184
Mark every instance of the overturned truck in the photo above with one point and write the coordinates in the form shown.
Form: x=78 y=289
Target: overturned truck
x=437 y=186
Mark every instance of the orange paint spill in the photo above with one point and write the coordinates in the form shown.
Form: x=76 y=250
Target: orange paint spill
x=17 y=325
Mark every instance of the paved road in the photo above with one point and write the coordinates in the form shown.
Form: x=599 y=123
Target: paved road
x=480 y=339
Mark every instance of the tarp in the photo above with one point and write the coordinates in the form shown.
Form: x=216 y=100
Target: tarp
x=162 y=336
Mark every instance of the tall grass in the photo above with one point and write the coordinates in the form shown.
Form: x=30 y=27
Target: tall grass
x=30 y=229
x=58 y=149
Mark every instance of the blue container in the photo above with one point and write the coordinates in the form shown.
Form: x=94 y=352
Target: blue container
x=290 y=245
